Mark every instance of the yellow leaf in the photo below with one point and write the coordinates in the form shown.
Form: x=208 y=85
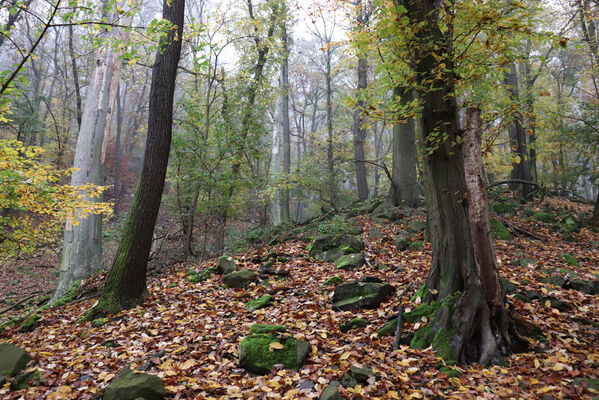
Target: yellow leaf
x=345 y=355
x=392 y=394
x=188 y=364
x=537 y=363
x=547 y=304
x=275 y=346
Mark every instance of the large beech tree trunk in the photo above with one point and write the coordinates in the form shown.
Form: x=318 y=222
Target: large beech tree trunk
x=404 y=185
x=470 y=326
x=126 y=281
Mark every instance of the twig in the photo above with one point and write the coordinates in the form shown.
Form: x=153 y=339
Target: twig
x=399 y=316
x=524 y=231
x=19 y=303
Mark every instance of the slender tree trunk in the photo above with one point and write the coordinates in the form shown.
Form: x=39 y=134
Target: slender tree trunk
x=126 y=282
x=117 y=145
x=404 y=185
x=75 y=76
x=595 y=217
x=285 y=123
x=330 y=145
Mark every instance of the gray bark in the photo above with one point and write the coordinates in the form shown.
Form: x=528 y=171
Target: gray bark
x=285 y=122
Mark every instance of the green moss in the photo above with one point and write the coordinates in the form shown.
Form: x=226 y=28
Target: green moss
x=450 y=372
x=441 y=345
x=388 y=328
x=570 y=259
x=429 y=310
x=258 y=303
x=30 y=323
x=504 y=209
x=31 y=378
x=172 y=285
x=263 y=328
x=543 y=217
x=256 y=347
x=420 y=293
x=194 y=278
x=422 y=338
x=69 y=296
x=417 y=246
x=333 y=280
x=96 y=323
x=499 y=231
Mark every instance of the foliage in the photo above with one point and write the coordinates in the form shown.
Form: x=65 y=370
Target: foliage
x=35 y=203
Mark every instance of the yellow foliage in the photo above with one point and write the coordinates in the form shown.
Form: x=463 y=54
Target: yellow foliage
x=35 y=204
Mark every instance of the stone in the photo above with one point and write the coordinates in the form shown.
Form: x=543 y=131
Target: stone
x=306 y=385
x=375 y=233
x=258 y=354
x=361 y=374
x=330 y=247
x=348 y=381
x=499 y=231
x=349 y=262
x=388 y=328
x=419 y=246
x=353 y=295
x=556 y=303
x=129 y=385
x=12 y=359
x=226 y=265
x=569 y=224
x=587 y=287
x=263 y=328
x=416 y=227
x=402 y=240
x=333 y=280
x=353 y=324
x=22 y=381
x=554 y=280
x=373 y=279
x=527 y=296
x=331 y=392
x=504 y=209
x=261 y=302
x=239 y=279
x=508 y=286
x=543 y=217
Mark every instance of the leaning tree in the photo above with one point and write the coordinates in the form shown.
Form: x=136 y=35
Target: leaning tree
x=472 y=323
x=126 y=282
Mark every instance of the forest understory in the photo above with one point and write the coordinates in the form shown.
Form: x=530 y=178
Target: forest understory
x=189 y=333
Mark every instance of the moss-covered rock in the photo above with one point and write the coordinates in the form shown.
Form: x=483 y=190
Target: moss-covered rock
x=554 y=280
x=354 y=323
x=225 y=265
x=419 y=246
x=99 y=322
x=259 y=353
x=570 y=259
x=264 y=328
x=375 y=233
x=239 y=279
x=261 y=302
x=12 y=359
x=527 y=296
x=543 y=217
x=568 y=223
x=361 y=374
x=129 y=385
x=504 y=209
x=555 y=303
x=330 y=247
x=508 y=286
x=331 y=392
x=354 y=295
x=30 y=323
x=22 y=381
x=350 y=261
x=193 y=277
x=587 y=287
x=499 y=231
x=402 y=240
x=333 y=280
x=388 y=329
x=416 y=226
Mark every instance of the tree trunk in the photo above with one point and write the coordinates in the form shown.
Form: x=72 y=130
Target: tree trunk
x=126 y=281
x=75 y=76
x=469 y=325
x=404 y=185
x=596 y=212
x=117 y=145
x=520 y=160
x=330 y=146
x=358 y=123
x=285 y=123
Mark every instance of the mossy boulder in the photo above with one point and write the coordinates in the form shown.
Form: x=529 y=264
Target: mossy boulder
x=555 y=303
x=225 y=265
x=375 y=233
x=30 y=323
x=543 y=217
x=416 y=227
x=330 y=247
x=354 y=295
x=331 y=392
x=508 y=286
x=12 y=359
x=499 y=231
x=239 y=279
x=24 y=380
x=264 y=328
x=260 y=352
x=569 y=224
x=333 y=280
x=570 y=259
x=418 y=246
x=554 y=280
x=527 y=296
x=350 y=261
x=129 y=385
x=389 y=328
x=402 y=240
x=587 y=287
x=361 y=374
x=98 y=322
x=354 y=323
x=261 y=302
x=506 y=209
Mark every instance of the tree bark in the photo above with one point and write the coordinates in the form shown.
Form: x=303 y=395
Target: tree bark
x=75 y=76
x=330 y=144
x=285 y=121
x=126 y=282
x=404 y=185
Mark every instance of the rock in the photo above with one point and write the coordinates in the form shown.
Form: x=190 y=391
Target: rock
x=350 y=261
x=361 y=374
x=131 y=386
x=263 y=328
x=419 y=246
x=543 y=217
x=262 y=270
x=402 y=240
x=554 y=280
x=98 y=322
x=348 y=381
x=12 y=359
x=508 y=286
x=353 y=295
x=353 y=324
x=261 y=302
x=556 y=303
x=30 y=323
x=22 y=381
x=388 y=328
x=569 y=224
x=333 y=280
x=330 y=247
x=527 y=296
x=416 y=227
x=306 y=385
x=258 y=354
x=2 y=380
x=239 y=279
x=499 y=231
x=226 y=265
x=330 y=392
x=587 y=287
x=570 y=259
x=373 y=279
x=504 y=209
x=374 y=233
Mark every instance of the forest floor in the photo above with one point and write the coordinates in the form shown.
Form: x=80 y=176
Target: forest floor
x=189 y=333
